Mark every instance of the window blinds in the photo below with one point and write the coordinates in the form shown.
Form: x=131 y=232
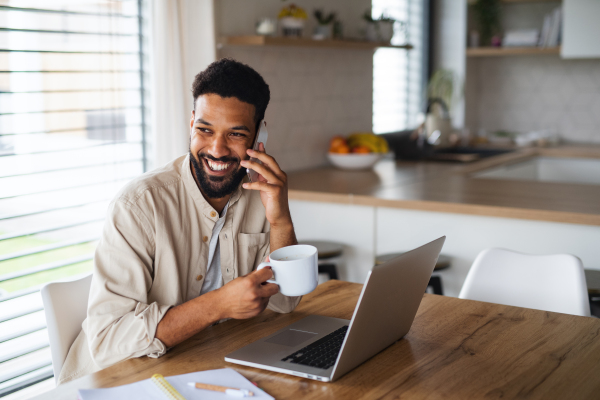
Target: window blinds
x=72 y=132
x=399 y=76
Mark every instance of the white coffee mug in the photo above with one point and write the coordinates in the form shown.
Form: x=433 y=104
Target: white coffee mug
x=295 y=269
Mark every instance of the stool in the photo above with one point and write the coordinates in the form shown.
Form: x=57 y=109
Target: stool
x=435 y=282
x=327 y=252
x=592 y=279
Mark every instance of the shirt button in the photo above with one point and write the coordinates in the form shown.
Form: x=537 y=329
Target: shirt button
x=205 y=238
x=213 y=214
x=199 y=278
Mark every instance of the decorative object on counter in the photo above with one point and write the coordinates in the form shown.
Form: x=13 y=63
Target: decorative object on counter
x=487 y=15
x=502 y=138
x=292 y=20
x=438 y=125
x=441 y=96
x=360 y=150
x=441 y=86
x=266 y=26
x=324 y=28
x=541 y=138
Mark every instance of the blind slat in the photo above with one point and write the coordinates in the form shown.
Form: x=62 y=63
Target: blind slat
x=49 y=247
x=46 y=267
x=47 y=210
x=36 y=231
x=64 y=12
x=25 y=380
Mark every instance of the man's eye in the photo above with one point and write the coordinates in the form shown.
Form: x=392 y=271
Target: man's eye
x=237 y=134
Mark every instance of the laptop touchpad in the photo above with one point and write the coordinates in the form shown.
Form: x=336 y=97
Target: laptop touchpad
x=291 y=337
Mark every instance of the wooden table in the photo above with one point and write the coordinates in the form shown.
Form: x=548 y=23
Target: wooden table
x=458 y=349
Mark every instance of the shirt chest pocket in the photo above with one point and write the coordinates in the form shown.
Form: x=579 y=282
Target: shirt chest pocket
x=251 y=248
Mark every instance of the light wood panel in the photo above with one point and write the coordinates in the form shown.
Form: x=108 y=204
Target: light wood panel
x=456 y=349
x=510 y=51
x=258 y=40
x=446 y=187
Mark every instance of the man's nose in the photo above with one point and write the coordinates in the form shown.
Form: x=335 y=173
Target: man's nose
x=218 y=147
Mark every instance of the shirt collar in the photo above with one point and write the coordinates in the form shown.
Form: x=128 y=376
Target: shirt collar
x=194 y=191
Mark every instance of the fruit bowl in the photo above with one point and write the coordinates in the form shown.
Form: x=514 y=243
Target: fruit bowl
x=354 y=160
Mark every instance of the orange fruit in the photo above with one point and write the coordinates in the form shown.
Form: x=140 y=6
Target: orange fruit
x=343 y=149
x=361 y=150
x=336 y=142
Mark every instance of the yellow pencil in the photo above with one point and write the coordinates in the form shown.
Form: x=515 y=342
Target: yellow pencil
x=227 y=390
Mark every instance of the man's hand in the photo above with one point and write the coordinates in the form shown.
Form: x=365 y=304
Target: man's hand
x=247 y=296
x=272 y=183
x=244 y=297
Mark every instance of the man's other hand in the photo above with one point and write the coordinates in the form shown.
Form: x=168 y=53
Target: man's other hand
x=248 y=295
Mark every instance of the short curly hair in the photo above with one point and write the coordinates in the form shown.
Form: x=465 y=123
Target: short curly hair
x=230 y=78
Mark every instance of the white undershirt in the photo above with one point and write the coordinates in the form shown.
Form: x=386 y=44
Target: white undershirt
x=214 y=277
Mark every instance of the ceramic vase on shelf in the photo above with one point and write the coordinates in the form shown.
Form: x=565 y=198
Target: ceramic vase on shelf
x=291 y=26
x=386 y=31
x=323 y=32
x=371 y=32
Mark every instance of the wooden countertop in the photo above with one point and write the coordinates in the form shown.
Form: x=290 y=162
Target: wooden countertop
x=455 y=349
x=448 y=187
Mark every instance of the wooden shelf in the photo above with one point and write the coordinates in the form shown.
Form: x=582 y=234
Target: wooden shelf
x=302 y=42
x=510 y=51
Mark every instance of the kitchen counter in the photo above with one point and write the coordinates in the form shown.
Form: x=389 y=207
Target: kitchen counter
x=448 y=187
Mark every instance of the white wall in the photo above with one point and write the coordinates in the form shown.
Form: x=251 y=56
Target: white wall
x=369 y=231
x=523 y=93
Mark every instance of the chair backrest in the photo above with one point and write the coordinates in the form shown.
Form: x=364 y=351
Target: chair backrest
x=548 y=282
x=65 y=306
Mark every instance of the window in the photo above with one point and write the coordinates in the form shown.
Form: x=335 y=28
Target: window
x=399 y=76
x=72 y=133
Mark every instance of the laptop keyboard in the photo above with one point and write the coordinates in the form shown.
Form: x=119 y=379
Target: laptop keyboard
x=322 y=353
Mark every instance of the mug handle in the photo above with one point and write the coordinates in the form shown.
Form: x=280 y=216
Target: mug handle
x=267 y=264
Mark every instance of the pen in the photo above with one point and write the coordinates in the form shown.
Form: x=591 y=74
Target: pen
x=224 y=389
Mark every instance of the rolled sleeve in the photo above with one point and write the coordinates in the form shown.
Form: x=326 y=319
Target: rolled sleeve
x=121 y=322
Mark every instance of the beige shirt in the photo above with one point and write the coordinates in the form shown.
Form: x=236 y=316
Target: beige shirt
x=153 y=255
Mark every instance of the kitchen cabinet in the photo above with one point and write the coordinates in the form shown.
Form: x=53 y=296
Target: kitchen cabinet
x=369 y=231
x=581 y=29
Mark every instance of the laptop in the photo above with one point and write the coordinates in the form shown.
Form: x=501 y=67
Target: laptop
x=325 y=348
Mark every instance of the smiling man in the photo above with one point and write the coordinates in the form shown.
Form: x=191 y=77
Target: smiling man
x=181 y=243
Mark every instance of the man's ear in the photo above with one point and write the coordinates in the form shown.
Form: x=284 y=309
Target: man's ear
x=193 y=118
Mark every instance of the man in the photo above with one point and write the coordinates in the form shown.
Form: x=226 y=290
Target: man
x=181 y=243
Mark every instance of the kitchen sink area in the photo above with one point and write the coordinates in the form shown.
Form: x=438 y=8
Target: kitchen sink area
x=548 y=169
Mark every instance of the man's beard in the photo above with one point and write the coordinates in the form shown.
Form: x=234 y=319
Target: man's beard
x=217 y=187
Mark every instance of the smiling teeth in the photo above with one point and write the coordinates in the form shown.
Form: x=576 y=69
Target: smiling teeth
x=217 y=167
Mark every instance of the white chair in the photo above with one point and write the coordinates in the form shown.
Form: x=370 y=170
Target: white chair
x=550 y=282
x=65 y=306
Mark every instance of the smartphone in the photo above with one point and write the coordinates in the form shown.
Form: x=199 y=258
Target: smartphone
x=261 y=137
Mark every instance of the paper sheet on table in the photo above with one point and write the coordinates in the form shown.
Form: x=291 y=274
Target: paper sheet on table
x=148 y=390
